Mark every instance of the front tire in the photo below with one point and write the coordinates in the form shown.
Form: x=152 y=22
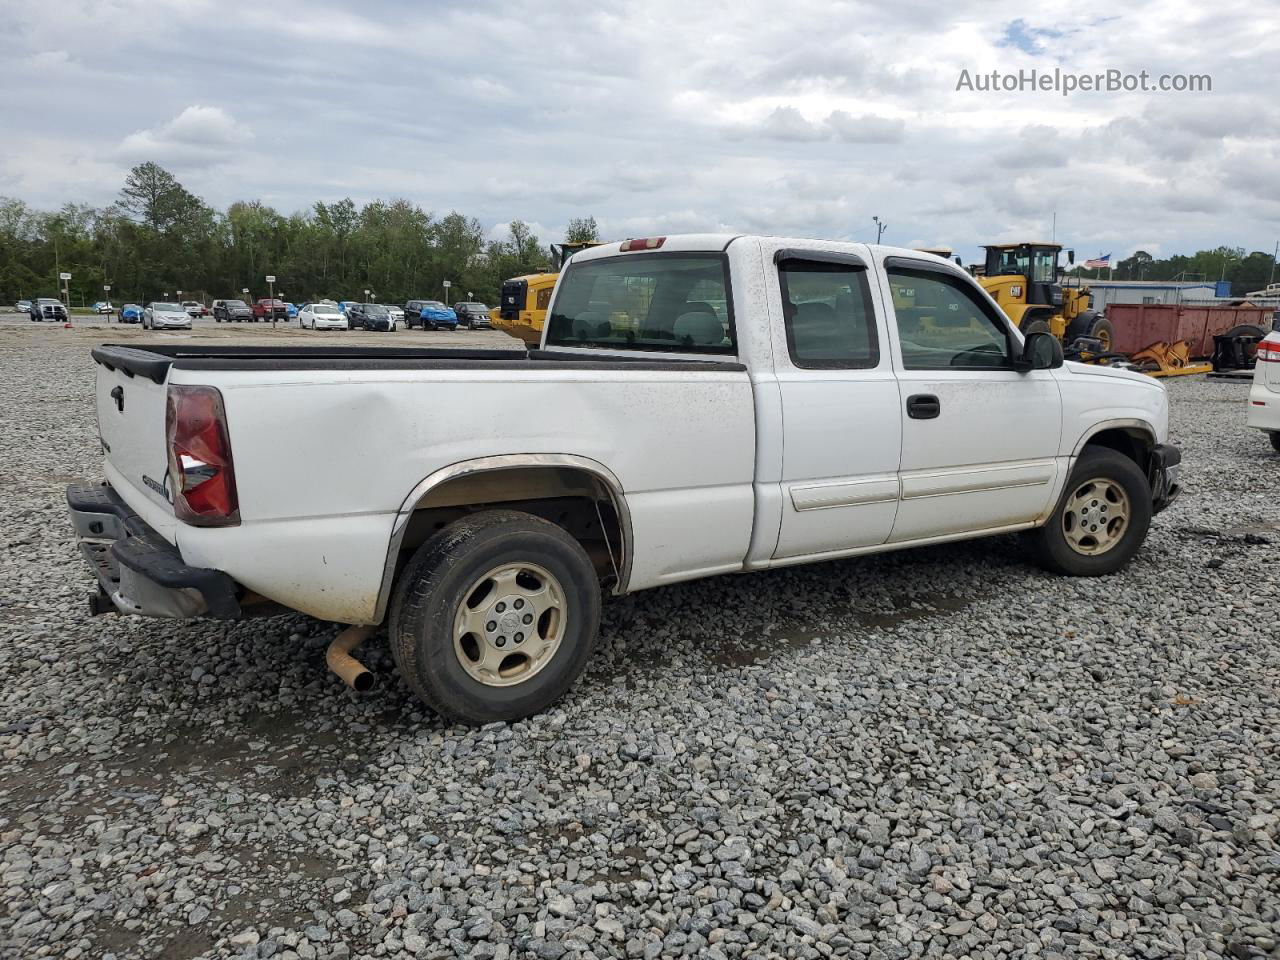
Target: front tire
x=1275 y=441
x=495 y=616
x=1101 y=519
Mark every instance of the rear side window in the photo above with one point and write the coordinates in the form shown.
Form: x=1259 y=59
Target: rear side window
x=829 y=319
x=675 y=302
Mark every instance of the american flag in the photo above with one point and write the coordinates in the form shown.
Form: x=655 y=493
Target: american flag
x=1098 y=263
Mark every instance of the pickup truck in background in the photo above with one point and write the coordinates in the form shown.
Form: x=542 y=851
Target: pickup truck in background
x=706 y=404
x=268 y=309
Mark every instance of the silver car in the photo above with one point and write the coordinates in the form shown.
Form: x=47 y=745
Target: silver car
x=165 y=316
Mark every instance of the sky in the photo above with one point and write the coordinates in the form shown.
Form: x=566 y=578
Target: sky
x=802 y=118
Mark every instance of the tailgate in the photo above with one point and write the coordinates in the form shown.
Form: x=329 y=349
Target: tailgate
x=131 y=423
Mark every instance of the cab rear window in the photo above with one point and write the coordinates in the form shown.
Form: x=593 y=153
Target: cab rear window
x=674 y=302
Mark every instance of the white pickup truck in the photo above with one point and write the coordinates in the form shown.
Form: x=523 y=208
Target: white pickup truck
x=699 y=405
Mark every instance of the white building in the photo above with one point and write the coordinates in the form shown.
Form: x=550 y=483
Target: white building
x=1154 y=291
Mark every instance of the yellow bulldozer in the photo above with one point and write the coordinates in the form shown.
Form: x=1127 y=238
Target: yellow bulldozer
x=1026 y=280
x=522 y=306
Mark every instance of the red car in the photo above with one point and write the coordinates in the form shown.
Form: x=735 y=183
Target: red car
x=268 y=309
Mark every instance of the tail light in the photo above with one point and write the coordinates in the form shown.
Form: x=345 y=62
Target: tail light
x=641 y=243
x=200 y=463
x=1269 y=349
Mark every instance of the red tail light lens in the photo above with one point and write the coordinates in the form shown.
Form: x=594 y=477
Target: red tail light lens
x=200 y=464
x=1269 y=349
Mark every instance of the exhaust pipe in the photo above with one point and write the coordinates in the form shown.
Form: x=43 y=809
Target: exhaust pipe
x=339 y=659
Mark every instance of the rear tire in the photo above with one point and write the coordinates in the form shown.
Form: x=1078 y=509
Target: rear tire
x=475 y=573
x=1275 y=441
x=1100 y=521
x=1101 y=329
x=1035 y=324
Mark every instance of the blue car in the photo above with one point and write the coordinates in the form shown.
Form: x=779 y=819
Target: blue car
x=131 y=313
x=292 y=310
x=435 y=315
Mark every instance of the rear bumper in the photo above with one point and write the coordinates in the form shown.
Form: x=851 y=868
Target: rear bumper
x=1164 y=476
x=138 y=571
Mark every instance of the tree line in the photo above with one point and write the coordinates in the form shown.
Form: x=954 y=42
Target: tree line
x=159 y=238
x=1246 y=271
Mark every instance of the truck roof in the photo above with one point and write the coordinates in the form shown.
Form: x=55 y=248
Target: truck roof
x=703 y=242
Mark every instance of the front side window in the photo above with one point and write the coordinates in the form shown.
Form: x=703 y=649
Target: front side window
x=942 y=324
x=828 y=314
x=675 y=302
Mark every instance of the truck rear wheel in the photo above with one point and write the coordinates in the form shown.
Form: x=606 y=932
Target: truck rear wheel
x=1101 y=520
x=495 y=616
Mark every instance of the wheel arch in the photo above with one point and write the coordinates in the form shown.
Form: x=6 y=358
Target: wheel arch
x=1132 y=437
x=506 y=480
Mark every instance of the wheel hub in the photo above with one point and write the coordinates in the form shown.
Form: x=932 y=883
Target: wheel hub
x=509 y=624
x=1096 y=517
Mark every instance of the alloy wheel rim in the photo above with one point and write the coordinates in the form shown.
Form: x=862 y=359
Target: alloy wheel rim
x=1096 y=517
x=509 y=624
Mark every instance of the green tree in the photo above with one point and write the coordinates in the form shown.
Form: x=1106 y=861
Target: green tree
x=582 y=230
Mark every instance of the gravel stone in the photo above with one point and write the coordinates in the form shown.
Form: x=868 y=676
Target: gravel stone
x=940 y=752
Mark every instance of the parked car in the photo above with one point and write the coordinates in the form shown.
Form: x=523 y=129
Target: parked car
x=291 y=309
x=397 y=316
x=435 y=315
x=1264 y=395
x=828 y=423
x=103 y=307
x=131 y=313
x=232 y=311
x=47 y=308
x=370 y=316
x=471 y=314
x=165 y=316
x=345 y=306
x=22 y=306
x=322 y=316
x=195 y=308
x=268 y=309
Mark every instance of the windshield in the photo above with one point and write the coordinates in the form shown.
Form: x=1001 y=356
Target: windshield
x=433 y=305
x=324 y=308
x=375 y=310
x=237 y=303
x=166 y=307
x=668 y=301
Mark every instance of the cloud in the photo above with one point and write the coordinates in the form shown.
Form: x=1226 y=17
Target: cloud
x=786 y=123
x=198 y=136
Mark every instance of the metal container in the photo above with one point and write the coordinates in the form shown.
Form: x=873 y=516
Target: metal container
x=1138 y=325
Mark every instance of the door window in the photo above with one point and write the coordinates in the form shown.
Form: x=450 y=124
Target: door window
x=828 y=315
x=942 y=324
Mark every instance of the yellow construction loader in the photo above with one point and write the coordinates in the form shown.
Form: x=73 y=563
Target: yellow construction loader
x=522 y=307
x=1026 y=280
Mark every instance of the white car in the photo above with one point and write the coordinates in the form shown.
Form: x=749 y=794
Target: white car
x=166 y=316
x=700 y=405
x=1264 y=395
x=322 y=316
x=397 y=316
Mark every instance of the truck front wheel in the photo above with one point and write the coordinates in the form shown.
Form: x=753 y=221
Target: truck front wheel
x=495 y=616
x=1101 y=519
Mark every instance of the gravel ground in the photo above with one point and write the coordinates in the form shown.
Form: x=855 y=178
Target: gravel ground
x=942 y=752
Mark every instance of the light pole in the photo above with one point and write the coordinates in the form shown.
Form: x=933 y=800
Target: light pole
x=447 y=285
x=880 y=228
x=106 y=291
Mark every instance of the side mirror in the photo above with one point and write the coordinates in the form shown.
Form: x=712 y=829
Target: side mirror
x=1040 y=351
x=1071 y=256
